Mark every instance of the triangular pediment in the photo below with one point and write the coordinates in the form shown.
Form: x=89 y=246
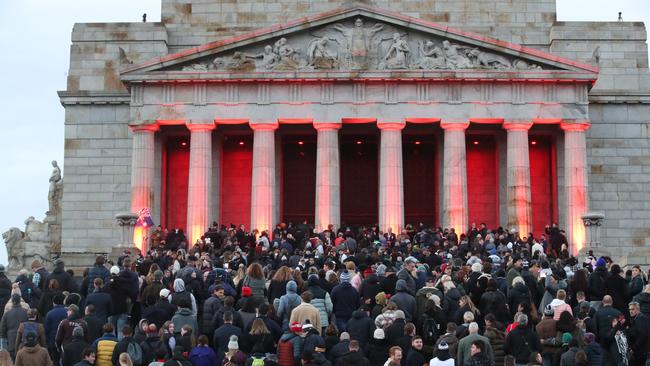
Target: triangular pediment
x=359 y=39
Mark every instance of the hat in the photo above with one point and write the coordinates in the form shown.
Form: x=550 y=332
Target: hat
x=59 y=262
x=295 y=327
x=15 y=298
x=548 y=311
x=601 y=262
x=164 y=293
x=78 y=331
x=345 y=276
x=380 y=298
x=307 y=326
x=589 y=337
x=233 y=344
x=476 y=267
x=345 y=336
x=410 y=259
x=246 y=291
x=443 y=267
x=158 y=275
x=443 y=346
x=566 y=337
x=115 y=270
x=381 y=270
x=74 y=308
x=399 y=314
x=379 y=334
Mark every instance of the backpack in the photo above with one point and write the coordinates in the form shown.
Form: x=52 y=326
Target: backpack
x=430 y=330
x=258 y=361
x=135 y=352
x=29 y=327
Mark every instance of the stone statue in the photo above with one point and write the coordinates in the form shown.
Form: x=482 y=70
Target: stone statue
x=455 y=56
x=397 y=55
x=288 y=56
x=36 y=230
x=358 y=42
x=319 y=56
x=488 y=60
x=55 y=187
x=431 y=56
x=241 y=62
x=195 y=67
x=21 y=252
x=268 y=58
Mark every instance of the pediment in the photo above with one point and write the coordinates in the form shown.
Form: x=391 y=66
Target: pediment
x=358 y=40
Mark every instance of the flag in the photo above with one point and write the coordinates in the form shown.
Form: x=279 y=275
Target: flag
x=144 y=218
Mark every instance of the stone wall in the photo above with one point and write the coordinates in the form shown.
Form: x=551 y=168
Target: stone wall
x=194 y=22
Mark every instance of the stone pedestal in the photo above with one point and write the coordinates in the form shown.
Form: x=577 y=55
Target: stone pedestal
x=391 y=179
x=592 y=222
x=198 y=196
x=126 y=221
x=454 y=182
x=575 y=183
x=328 y=182
x=518 y=177
x=263 y=180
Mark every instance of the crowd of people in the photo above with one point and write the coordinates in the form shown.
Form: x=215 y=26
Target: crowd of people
x=350 y=296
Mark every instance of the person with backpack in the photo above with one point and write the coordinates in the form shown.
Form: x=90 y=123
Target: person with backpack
x=32 y=353
x=31 y=325
x=151 y=345
x=129 y=345
x=290 y=346
x=288 y=302
x=430 y=323
x=73 y=351
x=522 y=341
x=202 y=354
x=98 y=270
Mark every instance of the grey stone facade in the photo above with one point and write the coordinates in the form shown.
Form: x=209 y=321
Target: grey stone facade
x=99 y=108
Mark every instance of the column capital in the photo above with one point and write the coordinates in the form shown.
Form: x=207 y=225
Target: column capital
x=391 y=125
x=326 y=126
x=454 y=126
x=579 y=126
x=145 y=128
x=260 y=126
x=200 y=126
x=517 y=126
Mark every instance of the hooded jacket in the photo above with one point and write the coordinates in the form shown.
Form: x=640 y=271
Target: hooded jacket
x=361 y=327
x=289 y=301
x=9 y=325
x=35 y=355
x=182 y=298
x=184 y=316
x=644 y=302
x=66 y=282
x=404 y=300
x=354 y=358
x=345 y=300
x=321 y=300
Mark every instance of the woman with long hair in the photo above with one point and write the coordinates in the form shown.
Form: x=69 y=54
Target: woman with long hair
x=5 y=358
x=259 y=337
x=466 y=304
x=167 y=337
x=125 y=359
x=278 y=284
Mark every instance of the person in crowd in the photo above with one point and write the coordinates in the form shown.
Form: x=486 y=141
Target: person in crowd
x=441 y=356
x=354 y=357
x=32 y=353
x=10 y=322
x=465 y=345
x=305 y=311
x=394 y=356
x=100 y=299
x=87 y=357
x=73 y=351
x=104 y=346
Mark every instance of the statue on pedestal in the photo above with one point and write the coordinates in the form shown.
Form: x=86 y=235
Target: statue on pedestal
x=56 y=186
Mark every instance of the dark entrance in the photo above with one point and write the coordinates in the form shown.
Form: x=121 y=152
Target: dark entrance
x=420 y=178
x=298 y=178
x=359 y=175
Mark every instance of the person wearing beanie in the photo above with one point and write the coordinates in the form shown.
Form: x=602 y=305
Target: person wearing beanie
x=594 y=351
x=442 y=357
x=223 y=336
x=380 y=304
x=339 y=349
x=546 y=329
x=289 y=301
x=290 y=345
x=10 y=323
x=567 y=353
x=73 y=351
x=369 y=288
x=32 y=353
x=345 y=300
x=233 y=354
x=404 y=300
x=378 y=346
x=596 y=283
x=67 y=326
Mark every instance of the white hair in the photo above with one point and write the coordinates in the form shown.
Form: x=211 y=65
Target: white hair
x=473 y=327
x=517 y=280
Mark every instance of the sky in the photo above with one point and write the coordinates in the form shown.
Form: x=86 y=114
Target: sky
x=35 y=39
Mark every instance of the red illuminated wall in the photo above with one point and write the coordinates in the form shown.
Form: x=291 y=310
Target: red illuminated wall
x=236 y=173
x=176 y=174
x=359 y=180
x=298 y=179
x=420 y=180
x=542 y=176
x=482 y=182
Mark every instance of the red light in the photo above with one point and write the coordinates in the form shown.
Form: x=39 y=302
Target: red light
x=475 y=142
x=183 y=143
x=417 y=142
x=241 y=143
x=533 y=142
x=301 y=143
x=359 y=142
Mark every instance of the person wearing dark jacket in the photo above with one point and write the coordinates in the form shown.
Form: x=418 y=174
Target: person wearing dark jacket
x=210 y=307
x=178 y=359
x=96 y=271
x=339 y=349
x=66 y=282
x=5 y=289
x=404 y=300
x=73 y=351
x=603 y=321
x=593 y=350
x=522 y=341
x=361 y=327
x=493 y=302
x=313 y=342
x=396 y=330
x=43 y=273
x=31 y=293
x=152 y=345
x=100 y=299
x=616 y=287
x=123 y=344
x=354 y=357
x=638 y=334
x=118 y=288
x=644 y=300
x=370 y=287
x=377 y=349
x=597 y=281
x=222 y=335
x=345 y=300
x=415 y=356
x=518 y=294
x=151 y=291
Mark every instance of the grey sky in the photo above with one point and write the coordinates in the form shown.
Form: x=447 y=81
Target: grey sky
x=35 y=39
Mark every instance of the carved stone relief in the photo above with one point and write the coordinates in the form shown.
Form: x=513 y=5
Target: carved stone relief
x=354 y=45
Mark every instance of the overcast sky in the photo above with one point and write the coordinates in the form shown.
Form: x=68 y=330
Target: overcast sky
x=35 y=40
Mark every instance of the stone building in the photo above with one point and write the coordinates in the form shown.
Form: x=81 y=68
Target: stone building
x=445 y=112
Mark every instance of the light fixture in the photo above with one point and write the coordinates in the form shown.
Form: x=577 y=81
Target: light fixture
x=183 y=143
x=417 y=142
x=475 y=142
x=301 y=143
x=533 y=142
x=359 y=142
x=241 y=143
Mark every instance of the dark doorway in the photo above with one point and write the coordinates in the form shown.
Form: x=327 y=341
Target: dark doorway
x=176 y=167
x=542 y=176
x=482 y=181
x=236 y=173
x=359 y=177
x=420 y=179
x=298 y=178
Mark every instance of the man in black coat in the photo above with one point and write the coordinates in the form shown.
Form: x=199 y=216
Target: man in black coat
x=354 y=357
x=94 y=322
x=66 y=282
x=222 y=335
x=522 y=341
x=638 y=335
x=100 y=299
x=597 y=281
x=5 y=289
x=340 y=349
x=361 y=327
x=73 y=351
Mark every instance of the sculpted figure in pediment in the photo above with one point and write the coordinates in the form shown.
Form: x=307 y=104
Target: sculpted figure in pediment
x=431 y=56
x=397 y=55
x=358 y=37
x=488 y=60
x=289 y=58
x=456 y=56
x=320 y=57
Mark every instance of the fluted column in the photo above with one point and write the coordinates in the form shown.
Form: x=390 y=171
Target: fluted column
x=454 y=182
x=328 y=182
x=200 y=175
x=575 y=182
x=391 y=177
x=263 y=181
x=518 y=177
x=142 y=174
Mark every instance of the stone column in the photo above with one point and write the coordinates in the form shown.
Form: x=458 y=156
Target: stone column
x=575 y=182
x=518 y=178
x=126 y=221
x=391 y=177
x=263 y=181
x=198 y=186
x=328 y=182
x=142 y=175
x=454 y=182
x=593 y=221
